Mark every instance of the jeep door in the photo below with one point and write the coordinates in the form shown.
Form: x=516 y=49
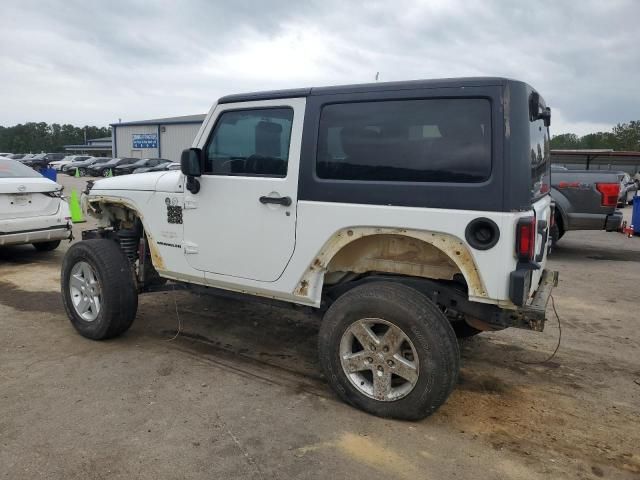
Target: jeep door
x=242 y=221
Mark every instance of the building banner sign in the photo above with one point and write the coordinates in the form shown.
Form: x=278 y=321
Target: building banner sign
x=145 y=140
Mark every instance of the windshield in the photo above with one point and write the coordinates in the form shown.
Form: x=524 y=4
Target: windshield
x=13 y=169
x=141 y=163
x=101 y=160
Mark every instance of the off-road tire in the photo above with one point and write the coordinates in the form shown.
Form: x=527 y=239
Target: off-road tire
x=46 y=246
x=422 y=322
x=119 y=296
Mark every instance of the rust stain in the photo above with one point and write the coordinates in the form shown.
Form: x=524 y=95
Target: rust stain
x=156 y=258
x=394 y=250
x=303 y=288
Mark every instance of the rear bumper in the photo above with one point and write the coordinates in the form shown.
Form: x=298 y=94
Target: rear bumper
x=613 y=222
x=59 y=232
x=44 y=228
x=594 y=221
x=531 y=311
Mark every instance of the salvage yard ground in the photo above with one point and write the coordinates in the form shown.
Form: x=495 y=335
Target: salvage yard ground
x=238 y=393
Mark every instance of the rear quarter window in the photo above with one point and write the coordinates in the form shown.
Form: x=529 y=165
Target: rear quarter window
x=425 y=140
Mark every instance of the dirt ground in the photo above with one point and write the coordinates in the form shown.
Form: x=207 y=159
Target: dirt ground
x=238 y=392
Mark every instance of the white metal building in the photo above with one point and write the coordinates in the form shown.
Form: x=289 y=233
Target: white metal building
x=156 y=138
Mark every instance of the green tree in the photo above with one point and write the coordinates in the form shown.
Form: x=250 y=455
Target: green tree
x=35 y=137
x=624 y=136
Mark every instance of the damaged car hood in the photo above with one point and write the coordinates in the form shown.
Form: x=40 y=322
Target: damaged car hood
x=151 y=181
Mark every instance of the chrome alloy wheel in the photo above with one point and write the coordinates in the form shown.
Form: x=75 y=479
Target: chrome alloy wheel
x=85 y=291
x=379 y=359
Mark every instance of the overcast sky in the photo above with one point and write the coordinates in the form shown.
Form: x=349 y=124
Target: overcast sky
x=84 y=62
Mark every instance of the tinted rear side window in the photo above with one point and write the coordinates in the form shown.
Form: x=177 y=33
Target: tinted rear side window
x=434 y=140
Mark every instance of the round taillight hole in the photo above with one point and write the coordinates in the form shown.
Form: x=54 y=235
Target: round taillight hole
x=482 y=233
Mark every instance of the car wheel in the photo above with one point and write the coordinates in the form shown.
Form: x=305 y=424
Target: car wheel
x=387 y=349
x=83 y=172
x=105 y=172
x=47 y=246
x=98 y=289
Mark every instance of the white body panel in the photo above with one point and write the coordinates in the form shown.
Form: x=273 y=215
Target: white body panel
x=316 y=223
x=228 y=231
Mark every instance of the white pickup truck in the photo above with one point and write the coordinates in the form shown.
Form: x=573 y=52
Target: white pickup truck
x=405 y=213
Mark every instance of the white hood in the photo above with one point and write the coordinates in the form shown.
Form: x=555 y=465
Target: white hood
x=28 y=185
x=149 y=181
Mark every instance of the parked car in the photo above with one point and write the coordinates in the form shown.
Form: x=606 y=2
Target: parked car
x=32 y=209
x=152 y=163
x=103 y=169
x=60 y=164
x=628 y=189
x=400 y=217
x=36 y=161
x=15 y=156
x=83 y=166
x=585 y=200
x=5 y=155
x=165 y=166
x=54 y=157
x=142 y=163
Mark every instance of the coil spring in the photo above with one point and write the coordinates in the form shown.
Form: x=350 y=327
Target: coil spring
x=129 y=243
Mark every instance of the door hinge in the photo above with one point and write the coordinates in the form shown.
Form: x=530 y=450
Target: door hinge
x=190 y=204
x=190 y=247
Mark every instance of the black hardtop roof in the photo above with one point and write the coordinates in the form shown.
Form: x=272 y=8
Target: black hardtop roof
x=368 y=87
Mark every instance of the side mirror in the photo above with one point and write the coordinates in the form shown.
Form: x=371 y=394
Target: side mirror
x=545 y=115
x=537 y=110
x=191 y=162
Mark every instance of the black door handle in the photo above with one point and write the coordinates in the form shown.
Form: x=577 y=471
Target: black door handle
x=284 y=201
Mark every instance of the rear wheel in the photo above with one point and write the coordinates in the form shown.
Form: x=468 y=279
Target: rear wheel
x=106 y=172
x=387 y=349
x=83 y=172
x=98 y=289
x=47 y=246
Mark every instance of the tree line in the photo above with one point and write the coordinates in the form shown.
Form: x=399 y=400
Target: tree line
x=623 y=137
x=36 y=137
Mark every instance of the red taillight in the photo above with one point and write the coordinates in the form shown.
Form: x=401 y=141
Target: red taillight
x=526 y=238
x=609 y=193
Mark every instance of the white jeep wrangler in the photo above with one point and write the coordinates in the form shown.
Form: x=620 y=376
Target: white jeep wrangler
x=405 y=212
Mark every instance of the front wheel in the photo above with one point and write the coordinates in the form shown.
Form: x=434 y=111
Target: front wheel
x=387 y=349
x=98 y=289
x=83 y=172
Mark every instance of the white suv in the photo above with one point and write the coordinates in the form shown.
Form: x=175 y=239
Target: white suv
x=406 y=213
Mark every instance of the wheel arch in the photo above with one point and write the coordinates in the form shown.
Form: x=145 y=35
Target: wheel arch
x=415 y=253
x=112 y=211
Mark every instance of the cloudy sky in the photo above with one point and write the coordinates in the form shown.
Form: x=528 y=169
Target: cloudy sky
x=86 y=62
